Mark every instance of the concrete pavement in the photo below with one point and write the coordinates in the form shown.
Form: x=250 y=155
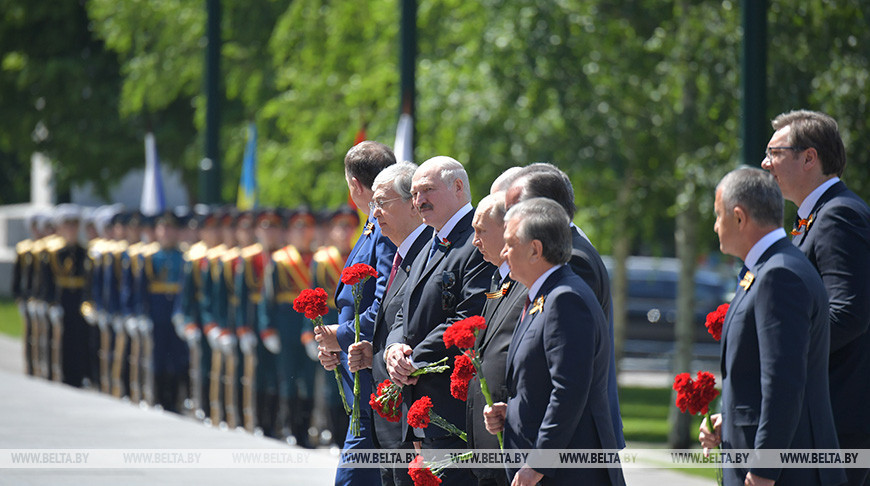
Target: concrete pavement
x=40 y=415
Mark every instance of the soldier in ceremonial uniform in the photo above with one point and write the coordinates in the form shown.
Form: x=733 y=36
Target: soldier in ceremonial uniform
x=328 y=265
x=22 y=288
x=63 y=275
x=259 y=382
x=287 y=274
x=161 y=277
x=196 y=297
x=37 y=308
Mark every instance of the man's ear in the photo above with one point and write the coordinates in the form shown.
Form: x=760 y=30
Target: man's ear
x=741 y=215
x=356 y=185
x=810 y=159
x=537 y=250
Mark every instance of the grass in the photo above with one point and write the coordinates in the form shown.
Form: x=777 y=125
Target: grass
x=10 y=319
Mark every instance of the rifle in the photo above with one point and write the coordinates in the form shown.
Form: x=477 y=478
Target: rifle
x=229 y=348
x=105 y=351
x=214 y=392
x=28 y=335
x=135 y=352
x=118 y=358
x=146 y=326
x=248 y=345
x=35 y=336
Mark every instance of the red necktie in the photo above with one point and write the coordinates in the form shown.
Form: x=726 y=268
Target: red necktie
x=525 y=308
x=397 y=262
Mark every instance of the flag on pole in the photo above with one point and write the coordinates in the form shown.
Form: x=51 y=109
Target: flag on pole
x=153 y=200
x=247 y=198
x=404 y=145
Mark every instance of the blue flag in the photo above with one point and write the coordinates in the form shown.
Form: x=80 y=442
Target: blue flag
x=153 y=200
x=247 y=198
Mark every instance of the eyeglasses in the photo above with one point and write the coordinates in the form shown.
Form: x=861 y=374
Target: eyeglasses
x=769 y=152
x=379 y=204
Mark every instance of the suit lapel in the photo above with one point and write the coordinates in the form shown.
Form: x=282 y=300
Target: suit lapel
x=350 y=258
x=456 y=237
x=826 y=196
x=500 y=306
x=526 y=321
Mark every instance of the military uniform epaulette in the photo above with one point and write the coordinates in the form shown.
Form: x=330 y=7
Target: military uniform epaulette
x=150 y=249
x=252 y=250
x=136 y=248
x=24 y=246
x=326 y=254
x=196 y=252
x=55 y=243
x=120 y=246
x=215 y=252
x=230 y=254
x=38 y=246
x=288 y=253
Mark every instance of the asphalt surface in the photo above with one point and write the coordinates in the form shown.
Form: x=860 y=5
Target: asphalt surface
x=50 y=423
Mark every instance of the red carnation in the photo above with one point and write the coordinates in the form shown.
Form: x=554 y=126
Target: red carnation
x=695 y=396
x=463 y=372
x=356 y=273
x=418 y=414
x=421 y=474
x=715 y=320
x=464 y=333
x=388 y=401
x=312 y=302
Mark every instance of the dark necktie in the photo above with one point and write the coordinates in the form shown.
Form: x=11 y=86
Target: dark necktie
x=397 y=262
x=495 y=283
x=740 y=277
x=435 y=243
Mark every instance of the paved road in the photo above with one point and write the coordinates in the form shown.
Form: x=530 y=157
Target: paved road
x=39 y=415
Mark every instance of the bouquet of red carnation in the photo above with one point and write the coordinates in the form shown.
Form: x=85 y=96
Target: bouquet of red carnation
x=429 y=474
x=696 y=396
x=421 y=414
x=356 y=276
x=463 y=335
x=387 y=401
x=715 y=320
x=312 y=303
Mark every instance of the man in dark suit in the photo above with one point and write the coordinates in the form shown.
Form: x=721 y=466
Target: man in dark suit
x=559 y=356
x=401 y=223
x=504 y=304
x=362 y=164
x=775 y=340
x=446 y=286
x=807 y=157
x=546 y=180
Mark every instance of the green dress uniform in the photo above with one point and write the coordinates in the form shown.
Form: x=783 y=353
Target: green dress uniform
x=196 y=285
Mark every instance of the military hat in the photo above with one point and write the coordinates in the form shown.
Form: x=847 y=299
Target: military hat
x=345 y=212
x=65 y=213
x=301 y=215
x=184 y=214
x=168 y=218
x=269 y=217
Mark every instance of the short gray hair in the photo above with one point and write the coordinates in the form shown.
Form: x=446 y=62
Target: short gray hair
x=544 y=220
x=493 y=205
x=756 y=191
x=399 y=175
x=504 y=181
x=450 y=170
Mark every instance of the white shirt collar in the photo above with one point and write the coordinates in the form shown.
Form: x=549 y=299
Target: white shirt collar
x=810 y=201
x=409 y=240
x=762 y=245
x=536 y=287
x=504 y=269
x=445 y=230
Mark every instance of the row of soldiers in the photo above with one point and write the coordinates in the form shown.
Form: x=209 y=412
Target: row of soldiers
x=189 y=311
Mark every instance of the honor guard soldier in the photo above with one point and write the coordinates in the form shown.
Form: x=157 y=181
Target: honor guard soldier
x=328 y=264
x=22 y=288
x=191 y=317
x=260 y=376
x=63 y=273
x=286 y=276
x=93 y=308
x=128 y=307
x=166 y=354
x=37 y=308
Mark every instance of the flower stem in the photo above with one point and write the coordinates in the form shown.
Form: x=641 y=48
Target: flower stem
x=486 y=395
x=709 y=419
x=444 y=424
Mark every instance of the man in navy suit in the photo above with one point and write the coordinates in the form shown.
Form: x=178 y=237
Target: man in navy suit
x=362 y=164
x=546 y=180
x=807 y=157
x=446 y=286
x=559 y=355
x=775 y=340
x=401 y=223
x=504 y=304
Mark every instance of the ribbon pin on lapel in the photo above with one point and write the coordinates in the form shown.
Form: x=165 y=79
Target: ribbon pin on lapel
x=747 y=281
x=500 y=292
x=803 y=225
x=537 y=305
x=370 y=226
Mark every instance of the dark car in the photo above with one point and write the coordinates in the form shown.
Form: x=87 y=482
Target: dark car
x=652 y=298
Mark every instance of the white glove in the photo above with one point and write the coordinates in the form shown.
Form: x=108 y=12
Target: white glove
x=192 y=334
x=178 y=324
x=272 y=342
x=212 y=335
x=55 y=313
x=311 y=350
x=102 y=320
x=227 y=342
x=131 y=326
x=145 y=325
x=118 y=323
x=248 y=342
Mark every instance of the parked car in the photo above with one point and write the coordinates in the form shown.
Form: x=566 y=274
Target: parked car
x=652 y=297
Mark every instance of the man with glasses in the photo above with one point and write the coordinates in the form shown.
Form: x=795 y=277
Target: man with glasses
x=806 y=156
x=446 y=284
